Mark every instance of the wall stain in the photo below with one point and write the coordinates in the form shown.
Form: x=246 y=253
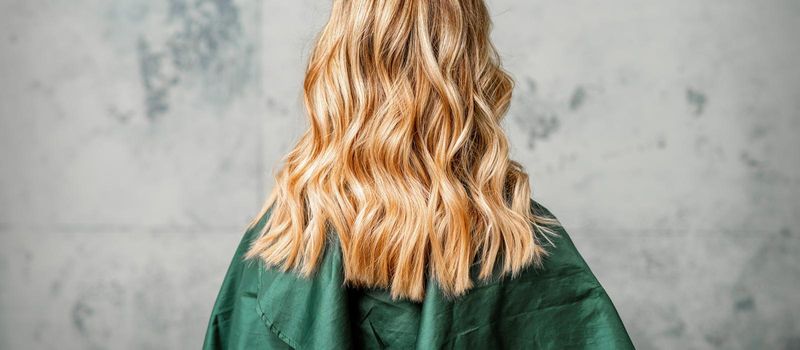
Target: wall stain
x=676 y=330
x=696 y=99
x=535 y=116
x=81 y=312
x=578 y=98
x=745 y=304
x=531 y=85
x=774 y=263
x=674 y=326
x=541 y=128
x=715 y=339
x=56 y=287
x=661 y=142
x=758 y=132
x=156 y=81
x=749 y=160
x=95 y=306
x=205 y=48
x=123 y=117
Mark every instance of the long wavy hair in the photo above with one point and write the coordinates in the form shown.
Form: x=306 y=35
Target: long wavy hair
x=405 y=158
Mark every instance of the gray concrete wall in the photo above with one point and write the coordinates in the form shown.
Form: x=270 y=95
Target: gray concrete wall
x=137 y=138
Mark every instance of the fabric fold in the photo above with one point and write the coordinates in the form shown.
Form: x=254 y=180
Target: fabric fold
x=561 y=305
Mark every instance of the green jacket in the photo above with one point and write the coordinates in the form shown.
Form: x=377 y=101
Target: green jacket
x=559 y=306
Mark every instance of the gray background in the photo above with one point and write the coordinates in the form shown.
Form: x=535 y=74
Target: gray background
x=138 y=138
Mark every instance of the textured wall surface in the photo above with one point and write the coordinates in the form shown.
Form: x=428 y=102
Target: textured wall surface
x=138 y=137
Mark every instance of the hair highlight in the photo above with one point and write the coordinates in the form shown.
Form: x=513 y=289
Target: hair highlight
x=404 y=158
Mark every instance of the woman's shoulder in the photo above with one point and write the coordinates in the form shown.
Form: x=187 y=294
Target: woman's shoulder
x=234 y=324
x=558 y=304
x=562 y=256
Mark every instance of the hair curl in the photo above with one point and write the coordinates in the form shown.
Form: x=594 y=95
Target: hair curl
x=405 y=157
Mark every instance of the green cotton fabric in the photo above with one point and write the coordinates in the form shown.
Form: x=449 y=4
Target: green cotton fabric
x=560 y=305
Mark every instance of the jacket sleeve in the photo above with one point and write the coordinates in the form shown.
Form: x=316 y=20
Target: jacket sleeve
x=235 y=322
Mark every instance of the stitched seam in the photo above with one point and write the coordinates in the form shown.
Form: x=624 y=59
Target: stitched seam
x=270 y=323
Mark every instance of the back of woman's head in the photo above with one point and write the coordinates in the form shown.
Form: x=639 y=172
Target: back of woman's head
x=404 y=159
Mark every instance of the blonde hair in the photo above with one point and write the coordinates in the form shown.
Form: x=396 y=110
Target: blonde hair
x=405 y=157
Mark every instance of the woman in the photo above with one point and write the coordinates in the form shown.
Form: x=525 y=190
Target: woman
x=398 y=220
